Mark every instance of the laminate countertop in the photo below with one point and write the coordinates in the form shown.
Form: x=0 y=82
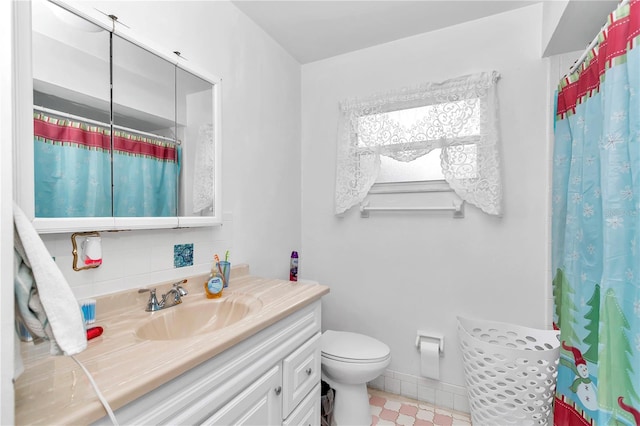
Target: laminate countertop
x=126 y=365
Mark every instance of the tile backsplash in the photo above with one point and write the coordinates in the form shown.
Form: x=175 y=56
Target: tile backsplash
x=137 y=259
x=423 y=389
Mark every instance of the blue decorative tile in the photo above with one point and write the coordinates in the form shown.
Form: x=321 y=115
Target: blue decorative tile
x=182 y=255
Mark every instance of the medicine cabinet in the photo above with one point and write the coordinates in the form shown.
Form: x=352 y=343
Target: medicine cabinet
x=124 y=135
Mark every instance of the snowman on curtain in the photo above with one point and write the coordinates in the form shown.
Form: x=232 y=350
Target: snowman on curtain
x=582 y=385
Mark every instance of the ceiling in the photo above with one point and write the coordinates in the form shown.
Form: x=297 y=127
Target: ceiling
x=315 y=30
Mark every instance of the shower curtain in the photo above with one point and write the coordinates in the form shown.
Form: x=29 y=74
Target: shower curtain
x=145 y=176
x=72 y=168
x=596 y=230
x=74 y=162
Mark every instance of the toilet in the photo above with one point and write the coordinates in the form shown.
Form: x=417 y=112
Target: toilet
x=349 y=361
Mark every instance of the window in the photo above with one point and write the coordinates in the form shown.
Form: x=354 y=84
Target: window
x=410 y=140
x=437 y=132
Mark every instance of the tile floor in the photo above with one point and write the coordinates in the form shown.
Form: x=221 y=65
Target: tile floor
x=389 y=409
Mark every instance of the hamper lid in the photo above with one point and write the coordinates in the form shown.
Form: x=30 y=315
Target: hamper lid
x=353 y=346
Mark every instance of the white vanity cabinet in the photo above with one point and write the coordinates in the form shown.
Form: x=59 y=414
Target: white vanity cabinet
x=300 y=374
x=270 y=378
x=308 y=412
x=296 y=380
x=259 y=404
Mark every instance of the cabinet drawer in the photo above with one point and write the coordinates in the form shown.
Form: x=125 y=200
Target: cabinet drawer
x=308 y=412
x=301 y=372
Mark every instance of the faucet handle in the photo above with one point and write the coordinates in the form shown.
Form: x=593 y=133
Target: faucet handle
x=181 y=290
x=152 y=304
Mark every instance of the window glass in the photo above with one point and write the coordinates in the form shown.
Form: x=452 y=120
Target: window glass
x=409 y=140
x=425 y=168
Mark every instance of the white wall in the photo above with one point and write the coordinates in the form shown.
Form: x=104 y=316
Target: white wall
x=572 y=25
x=261 y=150
x=393 y=274
x=551 y=15
x=7 y=129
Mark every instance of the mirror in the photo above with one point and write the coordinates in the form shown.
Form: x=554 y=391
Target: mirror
x=122 y=134
x=195 y=109
x=77 y=182
x=145 y=147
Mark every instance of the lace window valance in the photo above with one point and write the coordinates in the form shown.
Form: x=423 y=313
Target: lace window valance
x=460 y=116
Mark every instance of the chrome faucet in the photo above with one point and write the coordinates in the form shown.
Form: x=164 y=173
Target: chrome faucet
x=167 y=301
x=171 y=298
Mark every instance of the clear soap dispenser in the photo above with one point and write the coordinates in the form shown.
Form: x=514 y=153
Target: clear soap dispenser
x=214 y=285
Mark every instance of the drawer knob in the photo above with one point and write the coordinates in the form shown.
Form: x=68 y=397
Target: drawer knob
x=278 y=390
x=308 y=371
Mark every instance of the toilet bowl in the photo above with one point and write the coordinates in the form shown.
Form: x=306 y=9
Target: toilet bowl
x=349 y=361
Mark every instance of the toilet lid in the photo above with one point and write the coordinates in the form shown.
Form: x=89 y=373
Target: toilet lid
x=346 y=346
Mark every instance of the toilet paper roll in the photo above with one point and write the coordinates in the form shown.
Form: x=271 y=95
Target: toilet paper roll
x=429 y=359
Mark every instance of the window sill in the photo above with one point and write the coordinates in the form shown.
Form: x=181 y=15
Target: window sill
x=410 y=187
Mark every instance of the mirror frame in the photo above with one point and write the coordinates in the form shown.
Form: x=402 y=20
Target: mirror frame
x=24 y=188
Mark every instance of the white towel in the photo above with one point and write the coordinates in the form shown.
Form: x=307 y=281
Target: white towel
x=44 y=300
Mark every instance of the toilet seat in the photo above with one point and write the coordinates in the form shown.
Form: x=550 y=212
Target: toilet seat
x=354 y=361
x=344 y=346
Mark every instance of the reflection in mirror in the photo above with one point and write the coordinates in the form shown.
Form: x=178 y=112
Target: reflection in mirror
x=195 y=100
x=145 y=151
x=123 y=133
x=72 y=158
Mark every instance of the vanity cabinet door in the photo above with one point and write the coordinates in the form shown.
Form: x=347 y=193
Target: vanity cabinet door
x=301 y=373
x=308 y=412
x=260 y=404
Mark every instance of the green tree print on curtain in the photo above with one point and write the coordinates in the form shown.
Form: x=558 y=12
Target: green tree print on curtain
x=565 y=307
x=557 y=296
x=593 y=326
x=615 y=370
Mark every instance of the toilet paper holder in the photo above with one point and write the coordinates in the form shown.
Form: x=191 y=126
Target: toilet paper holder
x=431 y=337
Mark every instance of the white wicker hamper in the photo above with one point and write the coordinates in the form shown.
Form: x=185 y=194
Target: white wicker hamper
x=510 y=372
